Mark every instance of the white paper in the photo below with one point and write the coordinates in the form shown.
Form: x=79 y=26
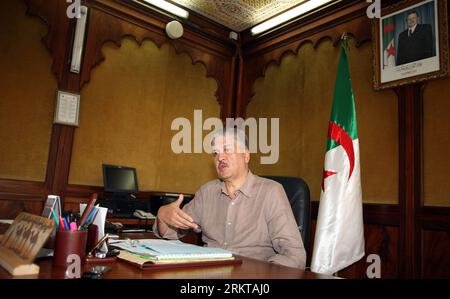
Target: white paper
x=53 y=201
x=99 y=220
x=171 y=249
x=68 y=108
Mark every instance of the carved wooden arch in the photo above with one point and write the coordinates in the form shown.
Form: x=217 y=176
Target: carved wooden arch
x=53 y=14
x=315 y=43
x=110 y=22
x=110 y=26
x=257 y=62
x=116 y=31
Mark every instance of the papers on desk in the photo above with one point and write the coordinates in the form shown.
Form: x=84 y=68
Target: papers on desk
x=99 y=220
x=163 y=251
x=173 y=249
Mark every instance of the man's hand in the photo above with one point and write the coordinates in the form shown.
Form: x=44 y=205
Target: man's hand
x=172 y=215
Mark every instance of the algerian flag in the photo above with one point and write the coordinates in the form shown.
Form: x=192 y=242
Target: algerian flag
x=388 y=43
x=339 y=239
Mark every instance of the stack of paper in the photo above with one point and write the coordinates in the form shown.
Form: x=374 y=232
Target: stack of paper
x=164 y=251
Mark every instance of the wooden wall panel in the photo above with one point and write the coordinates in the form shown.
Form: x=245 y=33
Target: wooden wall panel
x=377 y=117
x=9 y=209
x=410 y=99
x=73 y=203
x=135 y=95
x=296 y=92
x=26 y=105
x=300 y=91
x=110 y=21
x=259 y=52
x=382 y=241
x=435 y=254
x=436 y=128
x=381 y=234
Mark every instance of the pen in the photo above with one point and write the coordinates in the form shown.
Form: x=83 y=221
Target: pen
x=66 y=224
x=95 y=215
x=73 y=226
x=88 y=209
x=55 y=217
x=89 y=217
x=61 y=223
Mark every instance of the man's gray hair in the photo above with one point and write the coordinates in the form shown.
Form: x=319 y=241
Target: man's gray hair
x=240 y=136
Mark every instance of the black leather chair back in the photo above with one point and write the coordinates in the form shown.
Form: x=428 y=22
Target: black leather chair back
x=297 y=192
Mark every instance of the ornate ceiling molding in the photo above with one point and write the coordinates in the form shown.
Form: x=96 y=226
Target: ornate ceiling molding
x=239 y=15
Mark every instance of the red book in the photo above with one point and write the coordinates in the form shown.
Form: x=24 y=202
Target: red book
x=88 y=208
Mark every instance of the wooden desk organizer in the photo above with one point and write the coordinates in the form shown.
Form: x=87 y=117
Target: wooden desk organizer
x=21 y=243
x=15 y=265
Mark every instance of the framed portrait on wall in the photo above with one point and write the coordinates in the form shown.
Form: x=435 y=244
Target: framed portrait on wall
x=410 y=43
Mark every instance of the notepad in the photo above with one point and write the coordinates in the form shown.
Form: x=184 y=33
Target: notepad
x=173 y=250
x=144 y=261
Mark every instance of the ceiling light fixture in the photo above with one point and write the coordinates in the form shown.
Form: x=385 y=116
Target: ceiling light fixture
x=169 y=7
x=288 y=15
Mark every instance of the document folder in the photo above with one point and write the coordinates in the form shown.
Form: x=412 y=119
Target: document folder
x=148 y=264
x=154 y=253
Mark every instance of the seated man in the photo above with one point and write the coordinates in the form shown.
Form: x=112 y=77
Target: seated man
x=241 y=212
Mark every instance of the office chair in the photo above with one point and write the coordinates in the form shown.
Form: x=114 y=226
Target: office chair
x=297 y=192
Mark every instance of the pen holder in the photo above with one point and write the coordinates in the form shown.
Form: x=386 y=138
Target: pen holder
x=67 y=243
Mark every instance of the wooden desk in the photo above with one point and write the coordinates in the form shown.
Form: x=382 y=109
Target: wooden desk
x=249 y=269
x=132 y=221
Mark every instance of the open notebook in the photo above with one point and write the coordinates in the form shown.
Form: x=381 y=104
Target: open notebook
x=164 y=252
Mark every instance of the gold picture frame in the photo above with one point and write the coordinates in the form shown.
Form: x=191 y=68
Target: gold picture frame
x=410 y=43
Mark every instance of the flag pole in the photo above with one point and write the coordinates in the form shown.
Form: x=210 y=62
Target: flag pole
x=344 y=39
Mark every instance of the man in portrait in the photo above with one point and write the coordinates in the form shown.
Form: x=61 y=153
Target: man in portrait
x=416 y=42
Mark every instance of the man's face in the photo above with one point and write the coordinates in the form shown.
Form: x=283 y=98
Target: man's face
x=230 y=158
x=412 y=20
